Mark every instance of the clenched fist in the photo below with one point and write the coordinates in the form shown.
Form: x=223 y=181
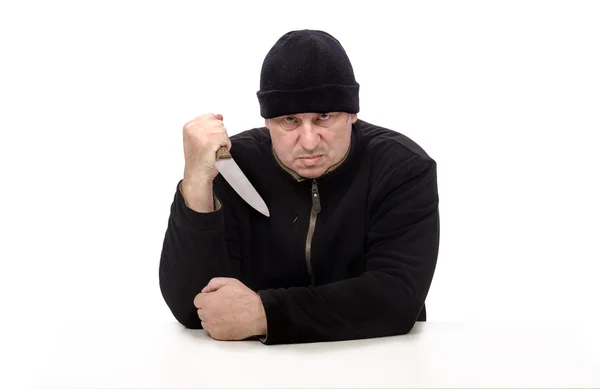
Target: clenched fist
x=229 y=310
x=202 y=137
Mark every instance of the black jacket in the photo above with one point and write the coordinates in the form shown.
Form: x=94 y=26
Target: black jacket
x=370 y=262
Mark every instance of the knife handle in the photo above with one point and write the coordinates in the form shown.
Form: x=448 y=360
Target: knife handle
x=223 y=153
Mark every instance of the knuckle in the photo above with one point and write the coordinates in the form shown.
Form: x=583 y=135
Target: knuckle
x=200 y=122
x=190 y=129
x=205 y=116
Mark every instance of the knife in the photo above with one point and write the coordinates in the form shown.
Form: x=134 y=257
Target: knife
x=238 y=181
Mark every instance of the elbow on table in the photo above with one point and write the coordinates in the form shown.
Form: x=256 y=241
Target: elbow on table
x=406 y=327
x=185 y=314
x=387 y=325
x=189 y=321
x=406 y=318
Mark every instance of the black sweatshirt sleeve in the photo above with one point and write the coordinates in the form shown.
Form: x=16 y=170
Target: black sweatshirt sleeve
x=194 y=251
x=401 y=255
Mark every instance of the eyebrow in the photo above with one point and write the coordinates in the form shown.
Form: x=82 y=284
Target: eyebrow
x=310 y=113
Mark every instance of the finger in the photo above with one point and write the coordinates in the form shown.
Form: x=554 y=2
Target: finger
x=215 y=284
x=199 y=300
x=220 y=117
x=212 y=126
x=201 y=314
x=201 y=118
x=206 y=121
x=220 y=141
x=205 y=326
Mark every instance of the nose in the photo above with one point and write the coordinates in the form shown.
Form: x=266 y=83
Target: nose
x=309 y=137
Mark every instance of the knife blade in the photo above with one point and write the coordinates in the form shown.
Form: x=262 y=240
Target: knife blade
x=232 y=173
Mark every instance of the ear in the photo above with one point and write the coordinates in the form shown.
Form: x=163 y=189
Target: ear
x=354 y=118
x=268 y=123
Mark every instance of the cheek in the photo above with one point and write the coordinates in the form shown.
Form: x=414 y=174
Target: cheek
x=284 y=145
x=338 y=141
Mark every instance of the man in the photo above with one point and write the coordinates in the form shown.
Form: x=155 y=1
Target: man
x=351 y=242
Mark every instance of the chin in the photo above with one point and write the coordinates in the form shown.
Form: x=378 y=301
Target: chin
x=310 y=173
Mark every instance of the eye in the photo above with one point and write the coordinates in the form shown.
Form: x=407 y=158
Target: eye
x=288 y=120
x=324 y=116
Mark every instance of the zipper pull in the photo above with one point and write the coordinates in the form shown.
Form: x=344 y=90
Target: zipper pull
x=315 y=197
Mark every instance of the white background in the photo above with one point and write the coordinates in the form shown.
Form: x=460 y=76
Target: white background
x=505 y=96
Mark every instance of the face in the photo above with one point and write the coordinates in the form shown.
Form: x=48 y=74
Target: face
x=310 y=143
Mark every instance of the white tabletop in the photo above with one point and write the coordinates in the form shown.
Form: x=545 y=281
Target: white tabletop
x=152 y=355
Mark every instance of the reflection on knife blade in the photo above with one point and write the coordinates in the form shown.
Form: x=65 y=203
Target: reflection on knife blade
x=238 y=181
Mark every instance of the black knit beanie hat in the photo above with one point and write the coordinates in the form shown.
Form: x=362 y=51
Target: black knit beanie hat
x=307 y=71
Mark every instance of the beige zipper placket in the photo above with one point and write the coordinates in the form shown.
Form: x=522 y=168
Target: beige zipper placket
x=314 y=211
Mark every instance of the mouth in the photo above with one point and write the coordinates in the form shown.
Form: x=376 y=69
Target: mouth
x=310 y=161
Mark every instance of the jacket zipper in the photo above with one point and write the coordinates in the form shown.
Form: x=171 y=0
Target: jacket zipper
x=315 y=209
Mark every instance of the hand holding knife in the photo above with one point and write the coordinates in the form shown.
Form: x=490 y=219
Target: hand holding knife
x=201 y=136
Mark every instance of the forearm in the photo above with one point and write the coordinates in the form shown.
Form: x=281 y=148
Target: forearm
x=193 y=253
x=198 y=194
x=373 y=305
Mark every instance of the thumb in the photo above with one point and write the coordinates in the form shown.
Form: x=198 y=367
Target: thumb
x=215 y=284
x=219 y=116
